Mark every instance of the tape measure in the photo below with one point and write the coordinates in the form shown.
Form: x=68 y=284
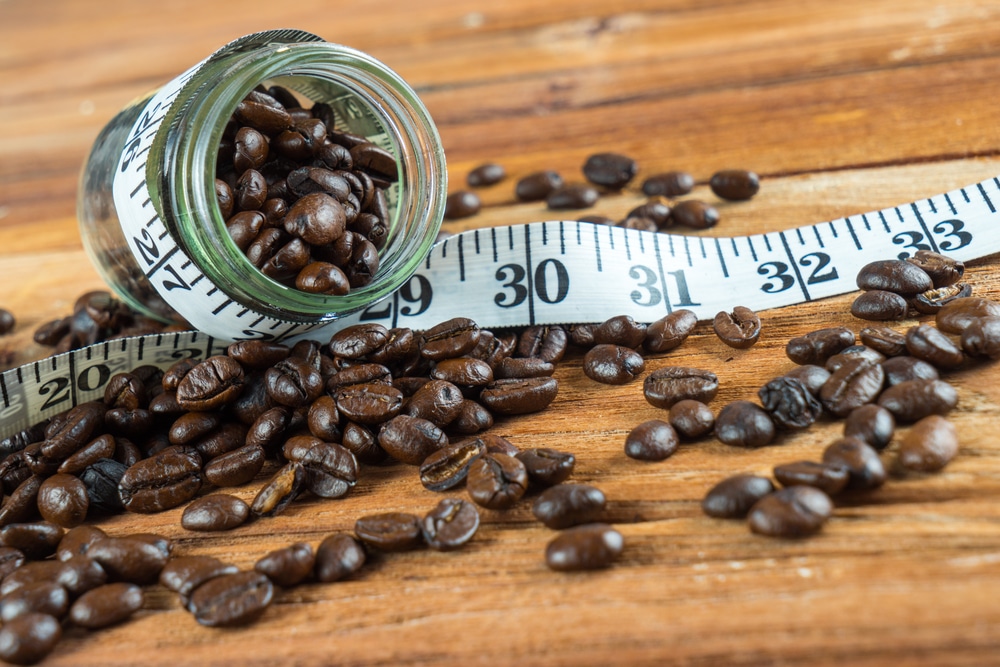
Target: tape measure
x=565 y=272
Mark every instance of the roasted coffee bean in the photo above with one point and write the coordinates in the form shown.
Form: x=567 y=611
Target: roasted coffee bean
x=461 y=204
x=566 y=505
x=35 y=540
x=472 y=418
x=7 y=321
x=862 y=463
x=361 y=373
x=927 y=343
x=933 y=300
x=268 y=429
x=14 y=471
x=106 y=605
x=744 y=424
x=52 y=332
x=738 y=329
x=981 y=338
x=544 y=342
x=42 y=597
x=81 y=424
x=331 y=470
x=245 y=227
x=537 y=186
x=76 y=575
x=251 y=149
x=943 y=270
x=288 y=566
x=337 y=557
x=77 y=541
x=957 y=315
x=790 y=403
x=856 y=382
x=582 y=335
x=912 y=400
x=377 y=162
x=322 y=278
x=29 y=638
x=293 y=383
x=22 y=503
x=894 y=275
x=519 y=396
x=211 y=384
x=236 y=467
x=691 y=419
x=546 y=467
x=101 y=447
x=437 y=401
x=670 y=331
x=160 y=482
x=929 y=445
x=184 y=574
x=668 y=184
x=231 y=599
x=813 y=377
x=656 y=211
x=464 y=371
x=817 y=346
x=261 y=111
x=612 y=364
x=449 y=339
x=448 y=466
x=285 y=486
x=851 y=353
x=128 y=559
x=830 y=479
x=62 y=500
x=164 y=544
x=903 y=368
x=369 y=403
x=571 y=196
x=695 y=214
x=450 y=525
x=125 y=390
x=872 y=424
x=219 y=511
x=523 y=367
x=359 y=340
x=101 y=479
x=361 y=442
x=884 y=340
x=652 y=440
x=257 y=354
x=797 y=511
x=488 y=173
x=10 y=560
x=587 y=547
x=879 y=305
x=734 y=184
x=251 y=190
x=496 y=481
x=666 y=386
x=225 y=439
x=610 y=170
x=22 y=439
x=390 y=531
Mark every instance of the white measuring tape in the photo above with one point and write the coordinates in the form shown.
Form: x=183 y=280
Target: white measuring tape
x=565 y=272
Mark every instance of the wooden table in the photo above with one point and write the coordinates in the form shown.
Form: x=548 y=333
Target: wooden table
x=842 y=107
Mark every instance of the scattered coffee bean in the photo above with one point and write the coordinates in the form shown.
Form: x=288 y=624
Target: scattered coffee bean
x=738 y=329
x=744 y=424
x=27 y=639
x=42 y=597
x=884 y=340
x=668 y=184
x=497 y=481
x=960 y=313
x=930 y=445
x=666 y=386
x=856 y=382
x=817 y=346
x=519 y=396
x=106 y=605
x=933 y=300
x=797 y=511
x=448 y=466
x=450 y=525
x=735 y=184
x=537 y=186
x=790 y=403
x=547 y=467
x=219 y=511
x=128 y=559
x=879 y=305
x=830 y=479
x=611 y=170
x=161 y=482
x=390 y=531
x=903 y=368
x=489 y=173
x=35 y=540
x=943 y=270
x=894 y=275
x=862 y=463
x=288 y=566
x=927 y=343
x=612 y=364
x=670 y=331
x=337 y=557
x=461 y=204
x=691 y=419
x=231 y=599
x=62 y=500
x=912 y=400
x=981 y=338
x=184 y=574
x=566 y=505
x=653 y=440
x=588 y=547
x=695 y=214
x=872 y=424
x=572 y=196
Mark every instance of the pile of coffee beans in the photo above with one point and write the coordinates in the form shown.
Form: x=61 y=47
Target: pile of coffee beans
x=303 y=200
x=609 y=173
x=923 y=283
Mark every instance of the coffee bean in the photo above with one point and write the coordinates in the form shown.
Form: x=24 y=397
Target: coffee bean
x=738 y=329
x=894 y=275
x=668 y=184
x=735 y=184
x=695 y=214
x=10 y=560
x=461 y=204
x=285 y=486
x=912 y=400
x=791 y=404
x=489 y=173
x=666 y=386
x=106 y=605
x=219 y=511
x=211 y=384
x=571 y=196
x=76 y=541
x=42 y=597
x=450 y=525
x=797 y=511
x=236 y=467
x=930 y=445
x=369 y=403
x=830 y=479
x=587 y=547
x=463 y=371
x=856 y=382
x=943 y=270
x=35 y=540
x=361 y=442
x=231 y=599
x=670 y=331
x=128 y=559
x=813 y=377
x=257 y=354
x=902 y=368
x=691 y=419
x=80 y=425
x=322 y=278
x=862 y=463
x=817 y=346
x=496 y=481
x=288 y=566
x=523 y=367
x=872 y=424
x=612 y=364
x=928 y=344
x=449 y=339
x=184 y=574
x=546 y=467
x=981 y=338
x=160 y=482
x=390 y=531
x=879 y=305
x=611 y=170
x=7 y=321
x=337 y=557
x=884 y=340
x=76 y=574
x=537 y=186
x=331 y=470
x=653 y=440
x=519 y=396
x=251 y=149
x=565 y=505
x=293 y=383
x=960 y=313
x=29 y=638
x=933 y=300
x=23 y=502
x=448 y=466
x=744 y=424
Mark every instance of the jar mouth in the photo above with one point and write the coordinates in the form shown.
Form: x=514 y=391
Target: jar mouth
x=320 y=71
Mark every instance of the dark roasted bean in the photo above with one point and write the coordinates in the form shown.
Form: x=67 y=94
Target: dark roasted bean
x=894 y=275
x=523 y=367
x=797 y=511
x=691 y=419
x=544 y=342
x=236 y=467
x=219 y=511
x=902 y=368
x=571 y=196
x=519 y=396
x=450 y=525
x=29 y=638
x=285 y=486
x=981 y=338
x=251 y=149
x=461 y=204
x=739 y=329
x=101 y=447
x=612 y=364
x=734 y=184
x=288 y=566
x=497 y=481
x=537 y=186
x=830 y=479
x=817 y=346
x=666 y=386
x=184 y=574
x=211 y=384
x=337 y=557
x=448 y=466
x=695 y=214
x=566 y=505
x=437 y=401
x=106 y=605
x=22 y=503
x=35 y=540
x=861 y=461
x=927 y=343
x=464 y=371
x=331 y=470
x=610 y=170
x=449 y=339
x=790 y=403
x=361 y=442
x=231 y=599
x=929 y=445
x=943 y=270
x=879 y=305
x=546 y=467
x=587 y=547
x=884 y=340
x=652 y=440
x=668 y=184
x=472 y=418
x=42 y=597
x=912 y=400
x=872 y=424
x=62 y=500
x=257 y=354
x=856 y=382
x=81 y=424
x=390 y=531
x=160 y=482
x=957 y=315
x=76 y=575
x=369 y=403
x=670 y=331
x=128 y=559
x=744 y=424
x=488 y=173
x=813 y=377
x=933 y=300
x=10 y=560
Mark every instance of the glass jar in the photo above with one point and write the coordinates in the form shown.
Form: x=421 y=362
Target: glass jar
x=147 y=208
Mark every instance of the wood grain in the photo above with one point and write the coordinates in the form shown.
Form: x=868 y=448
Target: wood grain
x=842 y=107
